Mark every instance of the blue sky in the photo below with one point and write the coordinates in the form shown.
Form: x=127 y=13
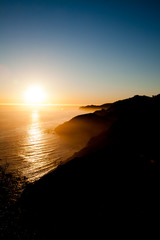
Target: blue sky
x=91 y=51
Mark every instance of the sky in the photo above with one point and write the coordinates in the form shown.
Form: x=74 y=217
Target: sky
x=79 y=51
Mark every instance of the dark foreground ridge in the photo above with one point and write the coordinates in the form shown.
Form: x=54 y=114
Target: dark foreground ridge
x=109 y=188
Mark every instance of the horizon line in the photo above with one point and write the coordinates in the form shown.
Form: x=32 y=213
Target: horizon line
x=42 y=104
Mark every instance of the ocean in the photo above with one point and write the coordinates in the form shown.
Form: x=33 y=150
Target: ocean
x=29 y=146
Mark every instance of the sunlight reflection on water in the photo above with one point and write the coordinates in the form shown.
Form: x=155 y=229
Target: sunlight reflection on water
x=28 y=143
x=36 y=150
x=34 y=137
x=29 y=147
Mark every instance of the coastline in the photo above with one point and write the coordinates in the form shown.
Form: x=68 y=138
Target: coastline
x=109 y=184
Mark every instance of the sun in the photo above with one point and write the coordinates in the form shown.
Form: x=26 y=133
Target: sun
x=35 y=95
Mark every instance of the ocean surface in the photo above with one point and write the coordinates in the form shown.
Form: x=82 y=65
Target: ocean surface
x=29 y=147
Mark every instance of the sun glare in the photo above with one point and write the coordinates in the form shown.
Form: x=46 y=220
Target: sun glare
x=35 y=95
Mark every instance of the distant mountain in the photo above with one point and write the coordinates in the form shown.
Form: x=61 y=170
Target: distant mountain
x=96 y=107
x=85 y=126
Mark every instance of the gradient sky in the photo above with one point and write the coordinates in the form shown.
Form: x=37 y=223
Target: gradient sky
x=79 y=51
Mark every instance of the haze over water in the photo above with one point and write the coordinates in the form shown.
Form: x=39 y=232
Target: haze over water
x=28 y=143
